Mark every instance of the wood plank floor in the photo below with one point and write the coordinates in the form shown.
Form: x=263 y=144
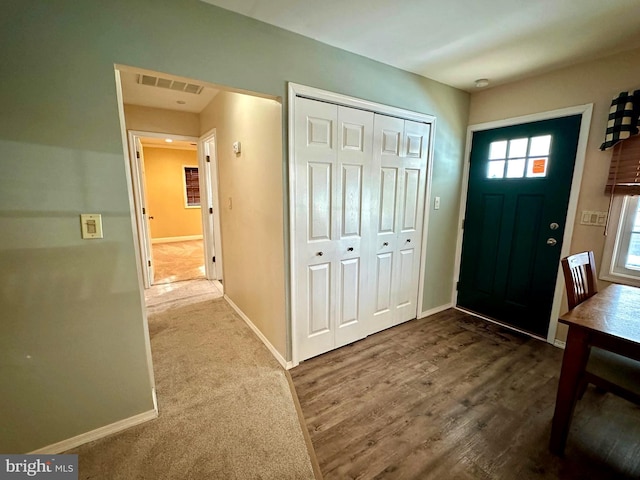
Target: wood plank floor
x=454 y=397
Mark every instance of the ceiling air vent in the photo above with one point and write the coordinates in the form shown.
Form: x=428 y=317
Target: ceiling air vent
x=176 y=85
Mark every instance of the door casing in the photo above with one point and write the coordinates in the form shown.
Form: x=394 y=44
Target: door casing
x=212 y=233
x=296 y=90
x=576 y=181
x=144 y=235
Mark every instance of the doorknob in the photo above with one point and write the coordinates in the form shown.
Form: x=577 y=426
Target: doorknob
x=554 y=226
x=319 y=254
x=551 y=241
x=385 y=244
x=150 y=218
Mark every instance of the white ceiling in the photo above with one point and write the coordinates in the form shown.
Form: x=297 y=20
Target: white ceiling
x=459 y=41
x=134 y=93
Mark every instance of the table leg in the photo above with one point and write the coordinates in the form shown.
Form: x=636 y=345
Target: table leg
x=575 y=358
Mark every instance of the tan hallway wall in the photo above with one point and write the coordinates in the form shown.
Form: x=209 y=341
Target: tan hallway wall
x=251 y=203
x=594 y=82
x=159 y=120
x=164 y=175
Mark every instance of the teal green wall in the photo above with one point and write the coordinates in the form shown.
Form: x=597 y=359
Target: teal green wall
x=72 y=354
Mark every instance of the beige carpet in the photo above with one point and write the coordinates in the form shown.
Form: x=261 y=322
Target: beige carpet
x=226 y=409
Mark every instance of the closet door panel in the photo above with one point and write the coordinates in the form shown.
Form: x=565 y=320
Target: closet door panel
x=319 y=183
x=355 y=140
x=316 y=156
x=386 y=171
x=383 y=283
x=411 y=204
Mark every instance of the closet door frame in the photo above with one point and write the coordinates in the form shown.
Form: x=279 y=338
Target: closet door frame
x=297 y=90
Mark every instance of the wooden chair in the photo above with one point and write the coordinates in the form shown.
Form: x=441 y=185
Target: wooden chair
x=579 y=277
x=606 y=370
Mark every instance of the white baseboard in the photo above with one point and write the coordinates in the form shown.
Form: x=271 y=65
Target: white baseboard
x=96 y=434
x=559 y=343
x=286 y=365
x=186 y=238
x=433 y=311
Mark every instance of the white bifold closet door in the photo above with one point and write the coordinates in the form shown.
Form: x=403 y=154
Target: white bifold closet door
x=398 y=191
x=333 y=149
x=359 y=202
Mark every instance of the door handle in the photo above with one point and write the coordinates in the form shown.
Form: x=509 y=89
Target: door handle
x=350 y=249
x=150 y=218
x=385 y=244
x=551 y=241
x=319 y=254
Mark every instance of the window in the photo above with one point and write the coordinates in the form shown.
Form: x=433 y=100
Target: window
x=621 y=260
x=519 y=157
x=191 y=187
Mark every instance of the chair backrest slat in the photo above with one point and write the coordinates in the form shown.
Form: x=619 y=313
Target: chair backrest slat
x=579 y=277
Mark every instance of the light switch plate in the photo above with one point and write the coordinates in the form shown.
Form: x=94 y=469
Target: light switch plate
x=588 y=217
x=91 y=225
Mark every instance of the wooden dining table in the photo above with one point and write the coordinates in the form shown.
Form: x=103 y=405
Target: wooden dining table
x=609 y=320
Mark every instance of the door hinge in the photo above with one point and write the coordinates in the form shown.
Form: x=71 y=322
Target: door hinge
x=149 y=262
x=463 y=222
x=213 y=259
x=457 y=286
x=137 y=154
x=144 y=211
x=208 y=159
x=210 y=209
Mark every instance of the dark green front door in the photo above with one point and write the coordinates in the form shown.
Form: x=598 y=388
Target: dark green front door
x=519 y=184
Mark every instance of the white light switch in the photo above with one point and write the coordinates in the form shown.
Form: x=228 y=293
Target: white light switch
x=91 y=225
x=598 y=219
x=237 y=148
x=436 y=203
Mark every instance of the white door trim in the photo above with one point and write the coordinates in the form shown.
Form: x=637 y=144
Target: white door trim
x=297 y=90
x=136 y=242
x=586 y=112
x=144 y=236
x=212 y=246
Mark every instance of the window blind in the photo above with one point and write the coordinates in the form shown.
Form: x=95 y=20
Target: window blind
x=624 y=172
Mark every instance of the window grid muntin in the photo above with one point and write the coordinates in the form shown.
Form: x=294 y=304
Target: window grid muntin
x=192 y=186
x=501 y=155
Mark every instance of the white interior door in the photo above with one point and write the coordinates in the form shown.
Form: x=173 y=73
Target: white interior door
x=333 y=147
x=399 y=162
x=210 y=209
x=411 y=204
x=142 y=212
